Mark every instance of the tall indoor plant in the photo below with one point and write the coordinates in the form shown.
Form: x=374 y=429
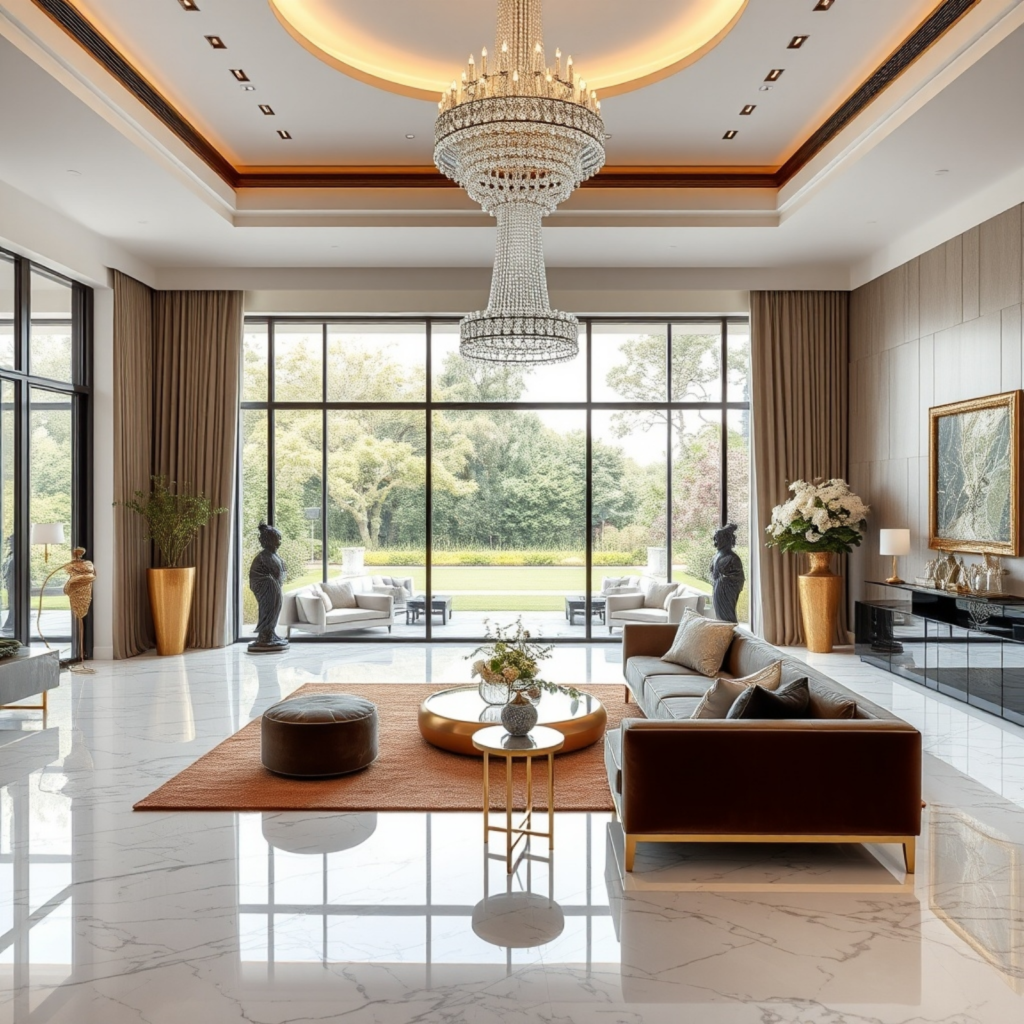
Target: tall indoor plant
x=821 y=519
x=173 y=518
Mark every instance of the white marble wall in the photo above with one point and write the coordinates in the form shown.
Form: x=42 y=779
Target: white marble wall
x=942 y=328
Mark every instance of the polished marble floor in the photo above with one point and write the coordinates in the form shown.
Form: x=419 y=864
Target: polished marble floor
x=116 y=917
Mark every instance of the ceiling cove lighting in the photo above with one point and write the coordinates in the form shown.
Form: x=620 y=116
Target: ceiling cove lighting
x=240 y=75
x=189 y=5
x=774 y=75
x=824 y=5
x=284 y=135
x=216 y=42
x=266 y=108
x=520 y=136
x=796 y=42
x=730 y=135
x=748 y=109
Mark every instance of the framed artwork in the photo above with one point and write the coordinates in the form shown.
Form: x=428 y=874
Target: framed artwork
x=974 y=454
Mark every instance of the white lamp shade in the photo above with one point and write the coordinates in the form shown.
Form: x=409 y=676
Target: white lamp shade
x=47 y=533
x=894 y=542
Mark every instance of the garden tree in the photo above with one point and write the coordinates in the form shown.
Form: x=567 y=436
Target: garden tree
x=466 y=380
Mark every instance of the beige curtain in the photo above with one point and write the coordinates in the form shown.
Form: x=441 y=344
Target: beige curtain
x=177 y=365
x=197 y=366
x=133 y=449
x=800 y=372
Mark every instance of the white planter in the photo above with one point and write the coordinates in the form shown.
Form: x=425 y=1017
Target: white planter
x=352 y=561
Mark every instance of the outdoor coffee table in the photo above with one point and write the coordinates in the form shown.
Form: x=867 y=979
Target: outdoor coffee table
x=449 y=719
x=440 y=604
x=576 y=604
x=496 y=742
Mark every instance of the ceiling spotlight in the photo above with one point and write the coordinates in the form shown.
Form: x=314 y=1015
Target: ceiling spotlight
x=823 y=5
x=731 y=134
x=77 y=174
x=796 y=42
x=410 y=136
x=942 y=172
x=765 y=88
x=607 y=135
x=774 y=75
x=189 y=5
x=240 y=75
x=748 y=109
x=266 y=108
x=284 y=135
x=248 y=88
x=216 y=42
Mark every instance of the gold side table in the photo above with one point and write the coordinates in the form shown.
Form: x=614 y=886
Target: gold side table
x=496 y=742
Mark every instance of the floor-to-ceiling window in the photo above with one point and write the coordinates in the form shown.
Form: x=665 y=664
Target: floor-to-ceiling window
x=500 y=491
x=45 y=367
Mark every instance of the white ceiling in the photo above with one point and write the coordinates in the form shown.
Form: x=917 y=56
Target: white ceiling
x=970 y=130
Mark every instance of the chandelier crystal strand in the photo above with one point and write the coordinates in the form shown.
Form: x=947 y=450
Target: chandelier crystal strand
x=520 y=137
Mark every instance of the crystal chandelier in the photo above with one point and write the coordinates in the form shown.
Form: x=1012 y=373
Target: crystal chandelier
x=520 y=137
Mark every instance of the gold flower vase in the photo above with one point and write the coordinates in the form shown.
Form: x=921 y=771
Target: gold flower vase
x=170 y=598
x=820 y=593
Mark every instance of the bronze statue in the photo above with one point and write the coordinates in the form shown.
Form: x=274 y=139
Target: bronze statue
x=78 y=587
x=266 y=576
x=727 y=576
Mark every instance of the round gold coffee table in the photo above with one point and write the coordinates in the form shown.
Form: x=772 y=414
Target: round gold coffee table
x=450 y=718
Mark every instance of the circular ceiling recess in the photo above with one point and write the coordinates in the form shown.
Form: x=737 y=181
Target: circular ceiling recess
x=414 y=48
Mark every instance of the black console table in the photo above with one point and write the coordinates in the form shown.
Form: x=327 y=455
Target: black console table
x=970 y=648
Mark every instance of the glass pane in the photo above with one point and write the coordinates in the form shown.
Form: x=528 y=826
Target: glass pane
x=376 y=363
x=50 y=339
x=738 y=478
x=696 y=362
x=629 y=363
x=6 y=311
x=50 y=462
x=696 y=494
x=464 y=380
x=298 y=474
x=255 y=369
x=376 y=503
x=298 y=362
x=738 y=366
x=629 y=508
x=7 y=456
x=253 y=425
x=509 y=506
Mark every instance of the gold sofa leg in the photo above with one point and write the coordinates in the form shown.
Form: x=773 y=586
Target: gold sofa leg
x=630 y=852
x=910 y=854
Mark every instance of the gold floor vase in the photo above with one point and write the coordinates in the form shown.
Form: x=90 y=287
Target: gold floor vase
x=820 y=592
x=170 y=597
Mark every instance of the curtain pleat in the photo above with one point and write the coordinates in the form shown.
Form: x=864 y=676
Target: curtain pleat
x=197 y=367
x=133 y=446
x=800 y=373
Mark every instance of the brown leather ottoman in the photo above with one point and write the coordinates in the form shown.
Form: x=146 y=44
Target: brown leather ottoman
x=317 y=735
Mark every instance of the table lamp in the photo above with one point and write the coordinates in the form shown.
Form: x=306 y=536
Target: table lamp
x=895 y=543
x=47 y=534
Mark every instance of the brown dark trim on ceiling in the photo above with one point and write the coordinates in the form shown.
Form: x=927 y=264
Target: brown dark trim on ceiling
x=67 y=16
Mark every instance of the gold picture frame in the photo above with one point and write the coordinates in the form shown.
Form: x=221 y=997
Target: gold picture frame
x=974 y=506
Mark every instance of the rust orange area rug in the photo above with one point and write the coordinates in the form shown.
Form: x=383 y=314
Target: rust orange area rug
x=408 y=775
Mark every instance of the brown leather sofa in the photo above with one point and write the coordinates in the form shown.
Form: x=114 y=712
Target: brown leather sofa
x=818 y=779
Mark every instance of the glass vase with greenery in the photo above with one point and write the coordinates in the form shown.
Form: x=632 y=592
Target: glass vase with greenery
x=173 y=517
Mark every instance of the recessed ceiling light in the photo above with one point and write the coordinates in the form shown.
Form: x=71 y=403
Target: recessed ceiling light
x=240 y=75
x=941 y=172
x=731 y=134
x=284 y=135
x=766 y=88
x=189 y=5
x=796 y=42
x=216 y=42
x=266 y=108
x=748 y=109
x=248 y=88
x=607 y=135
x=774 y=75
x=823 y=5
x=410 y=136
x=77 y=174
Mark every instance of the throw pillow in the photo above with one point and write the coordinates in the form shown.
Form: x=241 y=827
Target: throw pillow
x=309 y=606
x=657 y=595
x=611 y=584
x=397 y=594
x=700 y=643
x=830 y=704
x=723 y=693
x=789 y=701
x=341 y=595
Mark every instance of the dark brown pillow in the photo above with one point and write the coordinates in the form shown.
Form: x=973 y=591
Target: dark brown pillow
x=830 y=704
x=788 y=701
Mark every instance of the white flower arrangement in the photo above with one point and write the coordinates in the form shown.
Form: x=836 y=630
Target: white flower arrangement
x=819 y=517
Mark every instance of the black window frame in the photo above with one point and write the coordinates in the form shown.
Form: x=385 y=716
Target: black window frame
x=428 y=406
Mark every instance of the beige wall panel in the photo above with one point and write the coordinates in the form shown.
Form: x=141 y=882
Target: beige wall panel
x=916 y=518
x=1000 y=261
x=972 y=271
x=889 y=490
x=980 y=357
x=857 y=445
x=1011 y=329
x=913 y=299
x=942 y=286
x=894 y=307
x=904 y=400
x=874 y=418
x=926 y=390
x=947 y=366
